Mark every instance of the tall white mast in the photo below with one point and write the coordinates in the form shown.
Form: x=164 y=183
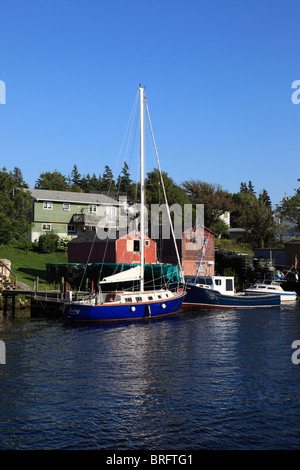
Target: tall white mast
x=142 y=218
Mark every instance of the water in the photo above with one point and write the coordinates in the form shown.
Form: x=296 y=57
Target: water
x=209 y=380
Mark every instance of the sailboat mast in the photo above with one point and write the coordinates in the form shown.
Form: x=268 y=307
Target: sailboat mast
x=142 y=157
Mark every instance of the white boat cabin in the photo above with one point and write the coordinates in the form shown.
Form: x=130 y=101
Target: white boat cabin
x=222 y=284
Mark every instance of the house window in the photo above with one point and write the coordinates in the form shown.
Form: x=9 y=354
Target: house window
x=66 y=206
x=46 y=227
x=93 y=208
x=147 y=242
x=47 y=205
x=72 y=229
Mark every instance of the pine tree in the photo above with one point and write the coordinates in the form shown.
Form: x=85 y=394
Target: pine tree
x=108 y=183
x=75 y=179
x=124 y=182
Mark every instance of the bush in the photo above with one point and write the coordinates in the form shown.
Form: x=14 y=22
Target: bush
x=48 y=243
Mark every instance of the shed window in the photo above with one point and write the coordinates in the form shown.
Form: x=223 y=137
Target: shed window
x=136 y=245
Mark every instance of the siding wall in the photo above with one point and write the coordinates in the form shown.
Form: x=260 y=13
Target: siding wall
x=59 y=218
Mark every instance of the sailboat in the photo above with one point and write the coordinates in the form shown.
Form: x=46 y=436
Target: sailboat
x=121 y=305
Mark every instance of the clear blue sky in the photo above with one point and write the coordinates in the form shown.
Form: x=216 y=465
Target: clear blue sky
x=218 y=77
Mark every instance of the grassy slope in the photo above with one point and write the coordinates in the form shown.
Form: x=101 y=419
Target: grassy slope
x=27 y=265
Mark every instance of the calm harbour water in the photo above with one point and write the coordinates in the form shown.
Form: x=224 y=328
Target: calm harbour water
x=205 y=380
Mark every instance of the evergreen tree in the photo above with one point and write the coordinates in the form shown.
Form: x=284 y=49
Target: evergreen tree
x=15 y=207
x=289 y=208
x=247 y=189
x=18 y=178
x=54 y=181
x=75 y=179
x=124 y=182
x=108 y=183
x=264 y=197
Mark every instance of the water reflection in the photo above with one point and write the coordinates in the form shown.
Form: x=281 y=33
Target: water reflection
x=209 y=379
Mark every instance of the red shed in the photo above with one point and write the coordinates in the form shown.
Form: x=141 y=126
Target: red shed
x=190 y=249
x=87 y=247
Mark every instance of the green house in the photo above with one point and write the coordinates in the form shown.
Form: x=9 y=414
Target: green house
x=68 y=213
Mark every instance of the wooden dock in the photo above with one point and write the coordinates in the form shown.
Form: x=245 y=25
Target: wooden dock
x=14 y=294
x=41 y=301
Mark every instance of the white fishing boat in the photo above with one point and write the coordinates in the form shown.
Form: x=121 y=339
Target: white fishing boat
x=271 y=287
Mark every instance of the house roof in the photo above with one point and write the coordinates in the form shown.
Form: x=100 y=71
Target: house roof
x=69 y=196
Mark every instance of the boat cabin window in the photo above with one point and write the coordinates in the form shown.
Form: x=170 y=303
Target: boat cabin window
x=229 y=285
x=138 y=299
x=150 y=297
x=128 y=299
x=159 y=296
x=218 y=282
x=204 y=280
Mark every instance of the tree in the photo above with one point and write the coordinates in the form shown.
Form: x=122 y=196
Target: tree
x=124 y=182
x=54 y=181
x=290 y=208
x=264 y=197
x=15 y=207
x=108 y=183
x=254 y=215
x=247 y=189
x=18 y=178
x=176 y=199
x=216 y=201
x=257 y=219
x=75 y=179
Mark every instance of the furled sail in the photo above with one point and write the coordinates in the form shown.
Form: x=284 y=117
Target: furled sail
x=132 y=274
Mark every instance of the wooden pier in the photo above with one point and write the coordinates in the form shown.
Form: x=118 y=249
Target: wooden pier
x=14 y=294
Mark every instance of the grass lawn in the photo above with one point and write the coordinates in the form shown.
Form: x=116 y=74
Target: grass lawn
x=27 y=265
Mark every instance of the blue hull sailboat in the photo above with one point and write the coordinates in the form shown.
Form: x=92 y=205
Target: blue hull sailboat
x=129 y=304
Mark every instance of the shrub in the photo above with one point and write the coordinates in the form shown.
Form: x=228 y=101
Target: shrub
x=48 y=243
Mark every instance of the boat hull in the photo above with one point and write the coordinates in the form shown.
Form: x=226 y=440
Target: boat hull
x=122 y=312
x=284 y=296
x=198 y=297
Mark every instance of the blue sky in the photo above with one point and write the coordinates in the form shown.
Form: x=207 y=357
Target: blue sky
x=218 y=76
